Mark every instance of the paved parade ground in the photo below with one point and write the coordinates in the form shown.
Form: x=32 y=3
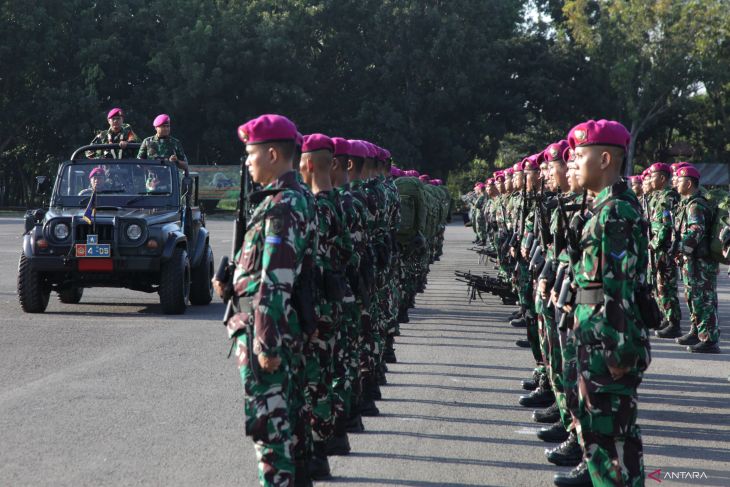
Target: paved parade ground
x=112 y=392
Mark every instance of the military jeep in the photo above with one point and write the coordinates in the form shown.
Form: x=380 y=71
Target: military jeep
x=140 y=229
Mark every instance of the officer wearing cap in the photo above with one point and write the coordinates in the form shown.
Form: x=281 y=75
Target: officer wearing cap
x=274 y=322
x=612 y=341
x=118 y=133
x=97 y=180
x=162 y=145
x=699 y=271
x=664 y=201
x=637 y=185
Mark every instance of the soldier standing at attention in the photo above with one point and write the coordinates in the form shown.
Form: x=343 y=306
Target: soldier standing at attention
x=664 y=203
x=314 y=166
x=637 y=185
x=163 y=145
x=611 y=338
x=118 y=133
x=268 y=331
x=699 y=271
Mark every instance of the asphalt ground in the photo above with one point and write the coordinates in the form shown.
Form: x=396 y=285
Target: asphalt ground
x=112 y=392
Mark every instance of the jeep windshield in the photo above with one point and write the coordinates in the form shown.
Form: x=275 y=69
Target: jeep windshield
x=138 y=184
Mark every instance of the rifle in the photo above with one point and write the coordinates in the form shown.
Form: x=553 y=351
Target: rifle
x=476 y=285
x=227 y=266
x=567 y=295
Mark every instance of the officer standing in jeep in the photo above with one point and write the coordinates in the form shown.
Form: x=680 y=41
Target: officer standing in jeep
x=118 y=133
x=163 y=145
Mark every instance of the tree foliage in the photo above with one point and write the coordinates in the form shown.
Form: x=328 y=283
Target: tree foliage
x=440 y=83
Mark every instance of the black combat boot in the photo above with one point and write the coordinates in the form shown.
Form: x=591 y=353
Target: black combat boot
x=367 y=405
x=690 y=338
x=532 y=384
x=672 y=330
x=578 y=477
x=548 y=415
x=538 y=398
x=354 y=422
x=381 y=380
x=522 y=343
x=319 y=466
x=301 y=474
x=339 y=444
x=403 y=315
x=704 y=347
x=520 y=322
x=553 y=434
x=389 y=352
x=568 y=454
x=515 y=315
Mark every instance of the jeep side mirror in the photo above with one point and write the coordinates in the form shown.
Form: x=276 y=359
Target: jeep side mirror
x=42 y=184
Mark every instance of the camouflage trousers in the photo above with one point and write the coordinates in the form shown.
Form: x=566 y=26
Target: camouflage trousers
x=700 y=288
x=666 y=291
x=526 y=299
x=366 y=339
x=550 y=347
x=607 y=413
x=347 y=357
x=569 y=376
x=270 y=400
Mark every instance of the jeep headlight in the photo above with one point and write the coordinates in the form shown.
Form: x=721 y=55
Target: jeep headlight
x=134 y=231
x=61 y=231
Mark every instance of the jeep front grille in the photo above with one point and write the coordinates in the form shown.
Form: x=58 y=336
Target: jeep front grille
x=105 y=232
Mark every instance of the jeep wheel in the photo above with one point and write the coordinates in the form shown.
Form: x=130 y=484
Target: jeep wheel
x=175 y=283
x=32 y=292
x=71 y=295
x=201 y=287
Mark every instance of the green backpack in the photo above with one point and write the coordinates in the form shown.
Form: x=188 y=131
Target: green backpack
x=413 y=211
x=718 y=202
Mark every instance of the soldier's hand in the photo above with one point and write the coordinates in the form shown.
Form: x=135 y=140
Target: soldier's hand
x=618 y=372
x=542 y=288
x=269 y=364
x=123 y=144
x=524 y=253
x=512 y=253
x=218 y=287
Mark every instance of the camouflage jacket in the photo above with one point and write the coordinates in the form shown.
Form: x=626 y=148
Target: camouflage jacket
x=352 y=236
x=108 y=136
x=692 y=221
x=278 y=239
x=663 y=204
x=393 y=207
x=613 y=263
x=154 y=147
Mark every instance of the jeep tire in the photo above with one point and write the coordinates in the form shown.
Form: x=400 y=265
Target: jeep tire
x=71 y=295
x=32 y=292
x=201 y=286
x=175 y=283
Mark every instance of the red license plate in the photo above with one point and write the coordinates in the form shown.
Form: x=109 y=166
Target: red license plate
x=96 y=265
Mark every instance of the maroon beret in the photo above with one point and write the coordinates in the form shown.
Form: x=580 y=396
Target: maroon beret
x=268 y=128
x=342 y=146
x=315 y=142
x=554 y=152
x=688 y=171
x=601 y=132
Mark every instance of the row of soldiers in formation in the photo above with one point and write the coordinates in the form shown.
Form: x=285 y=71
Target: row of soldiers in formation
x=332 y=258
x=593 y=266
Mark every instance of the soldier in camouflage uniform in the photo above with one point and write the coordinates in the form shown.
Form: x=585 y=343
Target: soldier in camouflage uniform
x=368 y=386
x=269 y=332
x=699 y=271
x=348 y=342
x=612 y=340
x=664 y=201
x=637 y=185
x=162 y=145
x=118 y=133
x=314 y=167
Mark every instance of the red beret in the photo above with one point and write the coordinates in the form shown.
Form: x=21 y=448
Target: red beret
x=115 y=111
x=602 y=132
x=342 y=146
x=646 y=172
x=568 y=155
x=499 y=176
x=488 y=182
x=636 y=179
x=268 y=128
x=554 y=152
x=531 y=163
x=518 y=167
x=97 y=170
x=678 y=165
x=688 y=171
x=358 y=148
x=477 y=185
x=370 y=150
x=395 y=172
x=161 y=119
x=315 y=142
x=660 y=167
x=509 y=171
